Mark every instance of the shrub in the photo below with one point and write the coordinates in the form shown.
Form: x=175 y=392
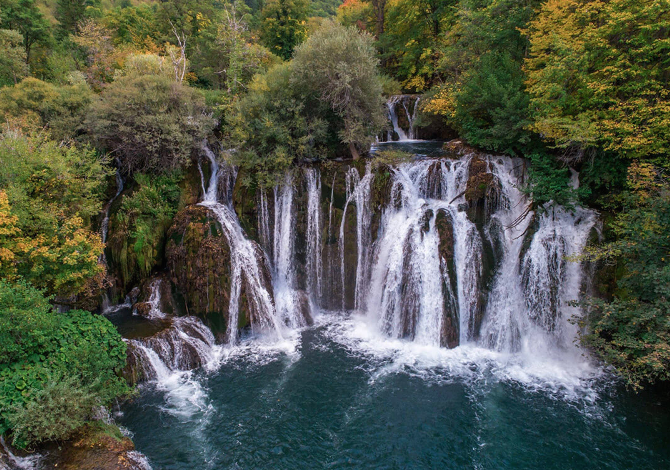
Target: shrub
x=54 y=413
x=45 y=354
x=150 y=121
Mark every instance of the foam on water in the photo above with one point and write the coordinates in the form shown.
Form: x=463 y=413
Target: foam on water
x=469 y=363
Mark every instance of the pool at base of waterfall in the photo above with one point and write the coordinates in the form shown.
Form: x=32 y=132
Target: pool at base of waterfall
x=338 y=395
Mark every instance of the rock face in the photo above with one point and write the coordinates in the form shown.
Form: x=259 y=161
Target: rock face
x=450 y=328
x=97 y=446
x=199 y=267
x=132 y=254
x=198 y=263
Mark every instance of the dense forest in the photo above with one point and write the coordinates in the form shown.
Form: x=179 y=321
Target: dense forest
x=92 y=87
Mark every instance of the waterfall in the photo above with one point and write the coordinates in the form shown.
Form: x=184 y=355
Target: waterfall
x=104 y=226
x=248 y=262
x=185 y=344
x=155 y=301
x=436 y=277
x=407 y=103
x=289 y=303
x=104 y=229
x=30 y=462
x=314 y=262
x=358 y=193
x=411 y=290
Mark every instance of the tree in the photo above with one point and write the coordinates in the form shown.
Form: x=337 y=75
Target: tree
x=338 y=65
x=414 y=37
x=379 y=7
x=49 y=192
x=597 y=76
x=70 y=13
x=225 y=55
x=483 y=96
x=13 y=65
x=37 y=104
x=631 y=331
x=284 y=26
x=357 y=13
x=24 y=16
x=150 y=122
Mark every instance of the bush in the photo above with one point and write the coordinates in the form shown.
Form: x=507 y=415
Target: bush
x=54 y=413
x=51 y=192
x=150 y=121
x=44 y=354
x=632 y=331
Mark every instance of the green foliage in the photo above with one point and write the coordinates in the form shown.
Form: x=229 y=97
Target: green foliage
x=338 y=66
x=327 y=98
x=70 y=13
x=36 y=104
x=549 y=181
x=274 y=128
x=25 y=17
x=54 y=413
x=632 y=331
x=151 y=122
x=136 y=25
x=51 y=190
x=225 y=57
x=140 y=225
x=44 y=354
x=413 y=40
x=284 y=26
x=598 y=74
x=483 y=96
x=13 y=65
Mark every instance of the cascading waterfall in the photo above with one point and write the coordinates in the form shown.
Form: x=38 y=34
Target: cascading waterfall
x=247 y=260
x=407 y=103
x=104 y=229
x=433 y=275
x=183 y=345
x=358 y=193
x=314 y=261
x=289 y=304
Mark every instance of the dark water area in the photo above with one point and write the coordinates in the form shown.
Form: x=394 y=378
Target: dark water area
x=423 y=148
x=331 y=398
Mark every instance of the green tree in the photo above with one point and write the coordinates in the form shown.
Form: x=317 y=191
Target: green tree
x=52 y=193
x=34 y=103
x=24 y=16
x=483 y=96
x=13 y=65
x=597 y=76
x=284 y=26
x=338 y=66
x=70 y=13
x=151 y=122
x=413 y=39
x=225 y=56
x=631 y=331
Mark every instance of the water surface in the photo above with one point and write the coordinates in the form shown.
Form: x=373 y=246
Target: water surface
x=337 y=396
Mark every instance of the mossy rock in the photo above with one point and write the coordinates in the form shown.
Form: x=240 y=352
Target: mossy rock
x=198 y=263
x=96 y=446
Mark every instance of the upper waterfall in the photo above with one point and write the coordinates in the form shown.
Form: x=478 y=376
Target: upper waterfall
x=402 y=112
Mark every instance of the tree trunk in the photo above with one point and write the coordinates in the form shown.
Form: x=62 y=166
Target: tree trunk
x=354 y=151
x=379 y=6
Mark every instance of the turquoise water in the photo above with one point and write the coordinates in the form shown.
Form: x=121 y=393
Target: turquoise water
x=335 y=396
